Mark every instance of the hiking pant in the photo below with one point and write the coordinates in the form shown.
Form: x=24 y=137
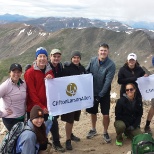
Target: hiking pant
x=120 y=128
x=55 y=131
x=10 y=122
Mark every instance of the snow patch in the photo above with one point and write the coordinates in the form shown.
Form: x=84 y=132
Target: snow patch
x=22 y=31
x=42 y=33
x=26 y=24
x=29 y=33
x=128 y=32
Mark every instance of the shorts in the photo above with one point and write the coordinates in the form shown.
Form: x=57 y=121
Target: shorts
x=152 y=102
x=104 y=106
x=71 y=117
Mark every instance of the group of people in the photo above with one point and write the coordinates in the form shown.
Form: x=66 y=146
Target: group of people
x=28 y=98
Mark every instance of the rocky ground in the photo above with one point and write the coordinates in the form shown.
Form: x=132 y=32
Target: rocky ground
x=95 y=145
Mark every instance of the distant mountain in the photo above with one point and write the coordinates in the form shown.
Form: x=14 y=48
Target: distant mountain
x=12 y=18
x=18 y=43
x=54 y=23
x=141 y=24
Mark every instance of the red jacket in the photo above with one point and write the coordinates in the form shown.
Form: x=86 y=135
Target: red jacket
x=35 y=80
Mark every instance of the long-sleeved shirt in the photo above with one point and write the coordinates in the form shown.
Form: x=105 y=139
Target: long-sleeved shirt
x=102 y=75
x=13 y=97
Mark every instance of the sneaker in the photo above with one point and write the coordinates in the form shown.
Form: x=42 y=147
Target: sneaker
x=106 y=138
x=68 y=145
x=118 y=143
x=91 y=134
x=74 y=138
x=58 y=148
x=147 y=130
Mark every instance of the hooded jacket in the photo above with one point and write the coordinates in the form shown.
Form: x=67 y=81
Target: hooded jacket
x=127 y=75
x=36 y=92
x=27 y=141
x=129 y=112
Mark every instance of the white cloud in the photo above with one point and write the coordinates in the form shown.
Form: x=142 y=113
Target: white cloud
x=98 y=9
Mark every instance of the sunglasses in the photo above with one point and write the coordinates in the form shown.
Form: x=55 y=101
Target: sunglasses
x=131 y=89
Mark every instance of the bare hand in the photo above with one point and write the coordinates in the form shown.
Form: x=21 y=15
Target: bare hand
x=49 y=76
x=9 y=111
x=45 y=111
x=146 y=75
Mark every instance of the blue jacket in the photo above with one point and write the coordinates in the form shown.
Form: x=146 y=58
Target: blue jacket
x=27 y=141
x=102 y=75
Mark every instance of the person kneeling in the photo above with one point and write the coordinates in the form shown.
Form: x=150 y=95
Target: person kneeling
x=128 y=113
x=33 y=140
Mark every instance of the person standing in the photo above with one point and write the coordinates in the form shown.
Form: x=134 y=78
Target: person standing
x=35 y=79
x=57 y=68
x=73 y=68
x=13 y=94
x=103 y=70
x=129 y=74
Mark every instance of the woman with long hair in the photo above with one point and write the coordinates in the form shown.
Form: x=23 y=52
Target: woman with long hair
x=128 y=113
x=33 y=140
x=129 y=74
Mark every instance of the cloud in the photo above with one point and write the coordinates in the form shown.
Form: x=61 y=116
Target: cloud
x=98 y=9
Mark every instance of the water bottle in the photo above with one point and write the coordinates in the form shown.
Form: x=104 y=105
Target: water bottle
x=48 y=124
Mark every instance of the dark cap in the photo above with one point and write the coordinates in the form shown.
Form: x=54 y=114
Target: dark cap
x=15 y=66
x=36 y=112
x=75 y=53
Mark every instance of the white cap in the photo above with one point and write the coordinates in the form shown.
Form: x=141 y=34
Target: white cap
x=54 y=51
x=132 y=56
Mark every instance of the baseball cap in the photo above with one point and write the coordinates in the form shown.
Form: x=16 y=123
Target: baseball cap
x=54 y=51
x=15 y=66
x=132 y=56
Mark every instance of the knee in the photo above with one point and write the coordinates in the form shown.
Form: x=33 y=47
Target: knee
x=120 y=125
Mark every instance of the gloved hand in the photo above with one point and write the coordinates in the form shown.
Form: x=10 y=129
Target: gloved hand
x=97 y=99
x=130 y=128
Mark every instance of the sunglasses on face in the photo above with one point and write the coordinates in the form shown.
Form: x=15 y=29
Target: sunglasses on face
x=131 y=89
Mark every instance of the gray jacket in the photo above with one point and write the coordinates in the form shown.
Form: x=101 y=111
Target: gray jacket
x=102 y=75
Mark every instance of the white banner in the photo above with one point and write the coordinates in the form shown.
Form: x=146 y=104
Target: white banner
x=146 y=86
x=68 y=94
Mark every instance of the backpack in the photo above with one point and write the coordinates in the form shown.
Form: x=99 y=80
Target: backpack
x=8 y=145
x=143 y=144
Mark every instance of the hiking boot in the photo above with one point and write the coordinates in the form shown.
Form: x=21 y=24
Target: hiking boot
x=91 y=134
x=106 y=138
x=58 y=147
x=118 y=143
x=74 y=138
x=68 y=145
x=147 y=130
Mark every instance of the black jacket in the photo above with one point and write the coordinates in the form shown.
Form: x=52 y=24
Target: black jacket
x=127 y=75
x=71 y=69
x=127 y=112
x=57 y=71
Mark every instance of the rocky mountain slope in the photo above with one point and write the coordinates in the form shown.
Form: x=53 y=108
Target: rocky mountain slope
x=18 y=43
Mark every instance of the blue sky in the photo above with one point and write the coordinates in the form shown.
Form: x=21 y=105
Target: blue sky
x=123 y=10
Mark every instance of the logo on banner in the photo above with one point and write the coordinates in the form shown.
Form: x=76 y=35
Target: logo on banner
x=71 y=89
